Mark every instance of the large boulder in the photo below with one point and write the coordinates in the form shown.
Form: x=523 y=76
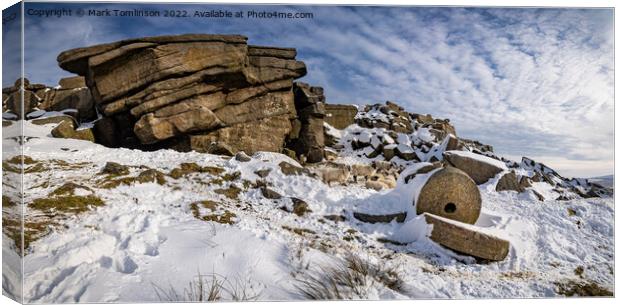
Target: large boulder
x=79 y=99
x=340 y=116
x=263 y=135
x=450 y=193
x=480 y=168
x=196 y=91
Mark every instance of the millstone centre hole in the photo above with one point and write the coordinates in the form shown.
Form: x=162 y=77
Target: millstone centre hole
x=449 y=208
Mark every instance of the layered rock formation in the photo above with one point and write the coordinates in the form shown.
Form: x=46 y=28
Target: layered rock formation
x=208 y=93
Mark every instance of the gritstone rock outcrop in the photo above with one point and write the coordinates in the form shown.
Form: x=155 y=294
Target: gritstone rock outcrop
x=208 y=93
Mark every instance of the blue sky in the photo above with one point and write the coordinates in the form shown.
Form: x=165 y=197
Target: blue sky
x=533 y=82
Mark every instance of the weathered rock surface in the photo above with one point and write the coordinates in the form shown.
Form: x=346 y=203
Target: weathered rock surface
x=478 y=170
x=262 y=135
x=340 y=116
x=74 y=82
x=67 y=130
x=54 y=120
x=509 y=182
x=79 y=99
x=452 y=194
x=310 y=105
x=460 y=238
x=200 y=91
x=71 y=98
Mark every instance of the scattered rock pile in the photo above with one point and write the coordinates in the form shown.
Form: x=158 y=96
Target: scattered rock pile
x=71 y=97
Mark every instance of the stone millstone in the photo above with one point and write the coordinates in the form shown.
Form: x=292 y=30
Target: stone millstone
x=461 y=239
x=450 y=193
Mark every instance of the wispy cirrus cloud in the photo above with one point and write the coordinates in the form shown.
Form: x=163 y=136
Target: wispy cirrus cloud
x=535 y=82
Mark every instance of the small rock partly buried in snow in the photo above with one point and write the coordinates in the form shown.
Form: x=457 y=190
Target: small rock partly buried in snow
x=269 y=193
x=66 y=130
x=525 y=182
x=538 y=195
x=151 y=175
x=335 y=218
x=399 y=217
x=509 y=182
x=450 y=193
x=263 y=172
x=113 y=168
x=242 y=157
x=217 y=148
x=300 y=207
x=454 y=236
x=290 y=169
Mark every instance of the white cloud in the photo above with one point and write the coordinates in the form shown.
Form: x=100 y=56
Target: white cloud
x=534 y=82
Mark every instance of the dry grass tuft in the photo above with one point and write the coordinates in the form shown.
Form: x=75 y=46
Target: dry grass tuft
x=66 y=204
x=582 y=288
x=349 y=279
x=210 y=288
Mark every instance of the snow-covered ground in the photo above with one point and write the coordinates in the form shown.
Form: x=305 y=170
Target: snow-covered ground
x=148 y=239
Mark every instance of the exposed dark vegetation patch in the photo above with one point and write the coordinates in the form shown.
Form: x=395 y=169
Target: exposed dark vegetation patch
x=30 y=165
x=33 y=230
x=113 y=169
x=231 y=176
x=68 y=189
x=579 y=271
x=7 y=167
x=147 y=176
x=69 y=166
x=522 y=275
x=571 y=212
x=226 y=218
x=18 y=160
x=66 y=204
x=7 y=202
x=185 y=169
x=300 y=207
x=231 y=192
x=223 y=217
x=299 y=231
x=582 y=288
